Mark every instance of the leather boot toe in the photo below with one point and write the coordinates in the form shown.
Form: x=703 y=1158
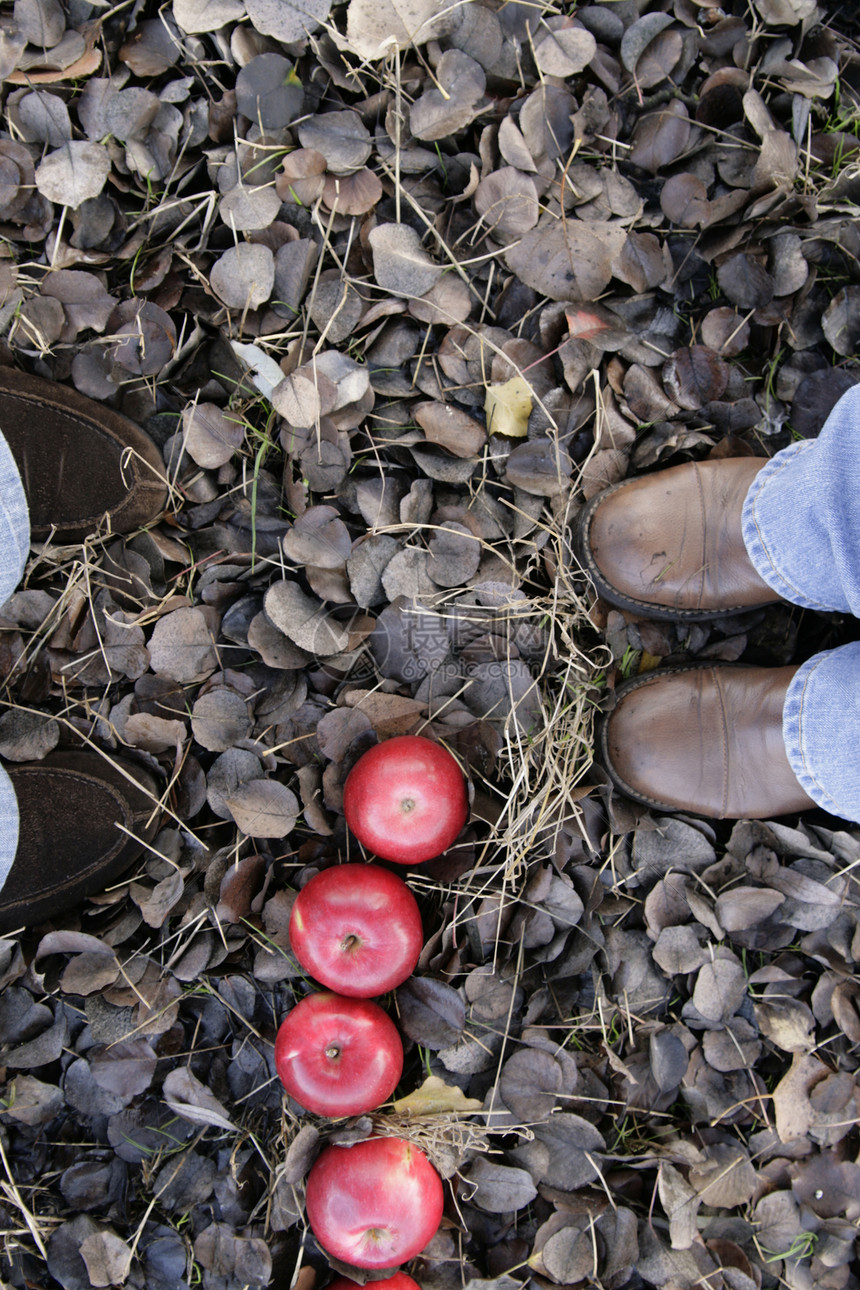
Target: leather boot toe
x=80 y=462
x=706 y=739
x=83 y=821
x=670 y=545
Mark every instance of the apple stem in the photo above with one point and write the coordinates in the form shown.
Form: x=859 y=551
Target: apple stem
x=332 y=1052
x=350 y=943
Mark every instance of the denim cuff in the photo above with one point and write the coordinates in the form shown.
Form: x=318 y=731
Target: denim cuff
x=820 y=723
x=763 y=556
x=14 y=524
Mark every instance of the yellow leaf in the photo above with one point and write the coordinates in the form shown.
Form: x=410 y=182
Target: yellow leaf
x=435 y=1097
x=508 y=407
x=648 y=662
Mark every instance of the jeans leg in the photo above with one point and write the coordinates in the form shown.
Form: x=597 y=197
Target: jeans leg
x=801 y=517
x=14 y=548
x=14 y=524
x=8 y=825
x=820 y=725
x=801 y=527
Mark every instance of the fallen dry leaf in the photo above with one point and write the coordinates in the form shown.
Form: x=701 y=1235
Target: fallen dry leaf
x=75 y=173
x=401 y=264
x=435 y=1097
x=508 y=407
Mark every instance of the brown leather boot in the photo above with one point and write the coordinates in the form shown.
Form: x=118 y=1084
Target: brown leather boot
x=79 y=461
x=669 y=545
x=70 y=843
x=705 y=739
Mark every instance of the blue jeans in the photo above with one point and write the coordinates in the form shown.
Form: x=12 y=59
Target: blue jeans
x=14 y=548
x=801 y=527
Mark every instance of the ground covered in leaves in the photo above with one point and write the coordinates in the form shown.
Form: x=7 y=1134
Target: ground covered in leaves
x=398 y=285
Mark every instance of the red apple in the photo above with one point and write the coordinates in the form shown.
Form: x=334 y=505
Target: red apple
x=376 y=1204
x=405 y=799
x=400 y=1281
x=356 y=928
x=338 y=1056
